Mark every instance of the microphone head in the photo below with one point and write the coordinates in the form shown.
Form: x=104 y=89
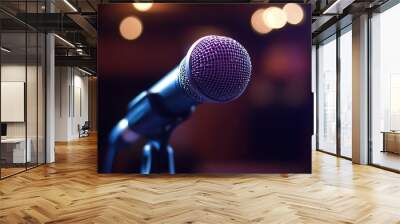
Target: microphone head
x=216 y=69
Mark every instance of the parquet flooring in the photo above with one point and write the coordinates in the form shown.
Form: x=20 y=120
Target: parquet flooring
x=10 y=171
x=70 y=191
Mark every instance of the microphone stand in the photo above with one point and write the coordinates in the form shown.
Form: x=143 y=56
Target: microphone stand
x=157 y=154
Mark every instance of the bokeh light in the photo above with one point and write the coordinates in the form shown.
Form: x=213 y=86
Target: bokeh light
x=142 y=6
x=130 y=28
x=274 y=17
x=257 y=22
x=294 y=13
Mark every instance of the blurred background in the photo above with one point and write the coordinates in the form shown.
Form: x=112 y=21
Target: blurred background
x=139 y=43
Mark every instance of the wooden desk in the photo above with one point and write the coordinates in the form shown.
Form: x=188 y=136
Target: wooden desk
x=13 y=150
x=391 y=141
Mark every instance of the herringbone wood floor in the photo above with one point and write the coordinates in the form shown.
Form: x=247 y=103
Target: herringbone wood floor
x=70 y=191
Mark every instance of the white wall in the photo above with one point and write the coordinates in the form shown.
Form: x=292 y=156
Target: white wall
x=33 y=127
x=62 y=81
x=80 y=102
x=14 y=72
x=17 y=72
x=71 y=102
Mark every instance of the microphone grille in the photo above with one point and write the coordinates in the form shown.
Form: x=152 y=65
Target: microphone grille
x=219 y=69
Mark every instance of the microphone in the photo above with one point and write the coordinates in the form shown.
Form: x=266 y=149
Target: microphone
x=216 y=69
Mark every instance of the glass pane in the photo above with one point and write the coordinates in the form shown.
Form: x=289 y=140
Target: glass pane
x=386 y=89
x=31 y=88
x=14 y=153
x=41 y=98
x=31 y=97
x=327 y=97
x=313 y=88
x=346 y=94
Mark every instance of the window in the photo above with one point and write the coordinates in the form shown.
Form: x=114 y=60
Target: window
x=327 y=96
x=385 y=89
x=22 y=101
x=346 y=93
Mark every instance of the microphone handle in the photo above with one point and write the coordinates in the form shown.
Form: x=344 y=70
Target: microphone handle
x=173 y=98
x=151 y=114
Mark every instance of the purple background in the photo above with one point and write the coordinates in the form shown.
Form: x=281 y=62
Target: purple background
x=267 y=130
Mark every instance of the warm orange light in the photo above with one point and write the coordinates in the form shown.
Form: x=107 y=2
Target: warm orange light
x=142 y=6
x=130 y=28
x=257 y=22
x=274 y=17
x=294 y=13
